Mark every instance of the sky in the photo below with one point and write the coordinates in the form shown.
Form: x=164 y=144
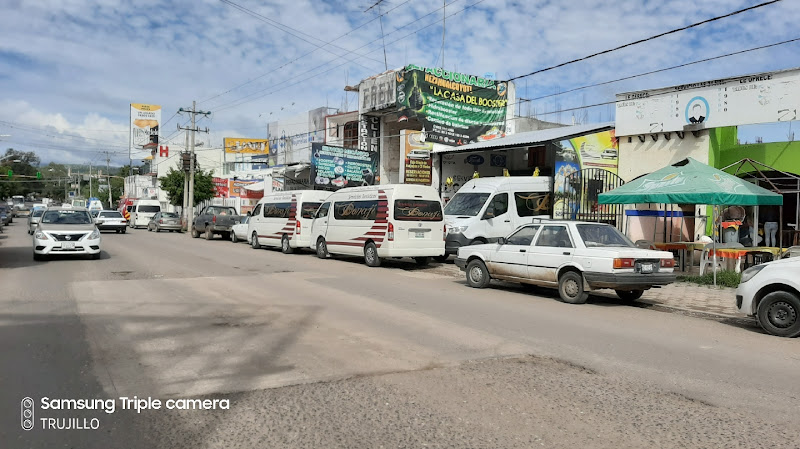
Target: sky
x=70 y=68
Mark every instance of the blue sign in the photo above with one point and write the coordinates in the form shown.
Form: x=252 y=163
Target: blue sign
x=474 y=159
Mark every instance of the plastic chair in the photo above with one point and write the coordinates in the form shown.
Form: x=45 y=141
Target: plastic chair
x=705 y=260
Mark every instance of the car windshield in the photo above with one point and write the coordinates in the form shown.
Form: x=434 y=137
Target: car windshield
x=111 y=214
x=594 y=235
x=169 y=215
x=66 y=217
x=37 y=212
x=468 y=204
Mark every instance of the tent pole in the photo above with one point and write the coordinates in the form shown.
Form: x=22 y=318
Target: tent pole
x=780 y=231
x=714 y=239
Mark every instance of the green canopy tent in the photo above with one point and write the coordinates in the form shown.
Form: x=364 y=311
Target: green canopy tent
x=692 y=182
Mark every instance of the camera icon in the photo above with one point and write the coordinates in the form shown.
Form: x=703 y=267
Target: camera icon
x=26 y=413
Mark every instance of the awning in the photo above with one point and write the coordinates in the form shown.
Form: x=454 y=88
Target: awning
x=256 y=186
x=531 y=138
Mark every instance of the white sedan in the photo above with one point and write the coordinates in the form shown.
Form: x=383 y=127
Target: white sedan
x=66 y=230
x=771 y=293
x=239 y=231
x=575 y=257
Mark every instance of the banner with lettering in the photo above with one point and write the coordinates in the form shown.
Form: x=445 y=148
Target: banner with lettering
x=417 y=163
x=335 y=167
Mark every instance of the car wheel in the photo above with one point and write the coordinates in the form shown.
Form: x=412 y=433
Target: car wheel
x=570 y=288
x=209 y=233
x=38 y=256
x=422 y=261
x=629 y=295
x=779 y=314
x=285 y=247
x=442 y=259
x=477 y=274
x=254 y=241
x=195 y=234
x=158 y=229
x=124 y=230
x=234 y=239
x=371 y=255
x=322 y=248
x=96 y=256
x=478 y=241
x=149 y=229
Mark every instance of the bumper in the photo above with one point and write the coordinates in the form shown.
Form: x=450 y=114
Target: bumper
x=111 y=227
x=453 y=241
x=85 y=247
x=461 y=263
x=410 y=252
x=744 y=297
x=174 y=226
x=214 y=228
x=628 y=281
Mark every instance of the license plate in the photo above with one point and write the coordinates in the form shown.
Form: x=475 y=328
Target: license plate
x=68 y=245
x=647 y=268
x=419 y=235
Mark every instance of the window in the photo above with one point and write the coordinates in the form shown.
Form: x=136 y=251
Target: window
x=602 y=235
x=466 y=204
x=148 y=209
x=499 y=205
x=323 y=210
x=554 y=236
x=129 y=208
x=356 y=210
x=350 y=135
x=257 y=210
x=277 y=210
x=307 y=210
x=39 y=212
x=532 y=203
x=417 y=210
x=66 y=217
x=523 y=236
x=169 y=215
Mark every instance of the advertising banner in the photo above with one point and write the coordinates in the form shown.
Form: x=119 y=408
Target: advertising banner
x=369 y=133
x=239 y=145
x=220 y=187
x=145 y=122
x=417 y=166
x=236 y=187
x=376 y=93
x=751 y=99
x=337 y=167
x=598 y=150
x=455 y=109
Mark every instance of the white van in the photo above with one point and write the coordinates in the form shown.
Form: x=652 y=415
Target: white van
x=275 y=220
x=393 y=220
x=485 y=209
x=142 y=211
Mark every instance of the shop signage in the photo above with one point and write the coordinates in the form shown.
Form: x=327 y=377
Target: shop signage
x=474 y=159
x=377 y=93
x=337 y=167
x=417 y=166
x=455 y=108
x=239 y=145
x=369 y=133
x=220 y=187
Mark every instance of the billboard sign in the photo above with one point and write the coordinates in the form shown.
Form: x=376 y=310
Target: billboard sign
x=240 y=145
x=369 y=133
x=417 y=167
x=454 y=108
x=337 y=167
x=290 y=139
x=236 y=187
x=145 y=122
x=220 y=187
x=752 y=99
x=376 y=93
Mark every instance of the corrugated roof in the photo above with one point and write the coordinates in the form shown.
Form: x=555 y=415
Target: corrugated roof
x=531 y=137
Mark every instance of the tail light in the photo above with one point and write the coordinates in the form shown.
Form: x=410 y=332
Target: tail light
x=160 y=221
x=391 y=232
x=214 y=219
x=623 y=263
x=297 y=227
x=668 y=263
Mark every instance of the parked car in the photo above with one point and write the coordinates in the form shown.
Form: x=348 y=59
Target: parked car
x=111 y=220
x=5 y=214
x=22 y=211
x=239 y=231
x=575 y=257
x=33 y=219
x=215 y=220
x=485 y=209
x=142 y=211
x=276 y=222
x=771 y=293
x=168 y=221
x=66 y=231
x=391 y=220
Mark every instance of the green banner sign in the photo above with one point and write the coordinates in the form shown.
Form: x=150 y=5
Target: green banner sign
x=454 y=108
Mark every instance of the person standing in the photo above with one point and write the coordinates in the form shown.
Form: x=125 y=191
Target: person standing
x=770 y=215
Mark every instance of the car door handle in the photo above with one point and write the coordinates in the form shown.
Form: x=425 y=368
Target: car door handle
x=566 y=253
x=506 y=221
x=523 y=250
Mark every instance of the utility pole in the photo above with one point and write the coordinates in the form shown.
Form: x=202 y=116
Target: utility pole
x=90 y=183
x=194 y=112
x=108 y=178
x=184 y=214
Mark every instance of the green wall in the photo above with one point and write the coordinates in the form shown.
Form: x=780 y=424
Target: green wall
x=723 y=150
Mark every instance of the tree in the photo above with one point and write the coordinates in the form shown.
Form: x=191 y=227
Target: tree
x=172 y=183
x=24 y=172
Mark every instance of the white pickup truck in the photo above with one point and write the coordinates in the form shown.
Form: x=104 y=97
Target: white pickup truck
x=575 y=257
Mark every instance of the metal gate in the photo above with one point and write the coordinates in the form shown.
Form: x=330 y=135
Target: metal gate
x=579 y=195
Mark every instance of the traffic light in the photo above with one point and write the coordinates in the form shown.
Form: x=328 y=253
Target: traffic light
x=10 y=174
x=38 y=175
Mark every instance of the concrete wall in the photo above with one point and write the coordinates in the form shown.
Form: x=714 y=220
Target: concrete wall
x=637 y=158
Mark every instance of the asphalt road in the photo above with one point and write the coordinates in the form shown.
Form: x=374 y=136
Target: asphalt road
x=331 y=353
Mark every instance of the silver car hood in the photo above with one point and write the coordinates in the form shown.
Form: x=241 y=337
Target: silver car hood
x=60 y=227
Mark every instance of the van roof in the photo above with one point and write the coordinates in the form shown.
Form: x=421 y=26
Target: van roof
x=388 y=187
x=497 y=182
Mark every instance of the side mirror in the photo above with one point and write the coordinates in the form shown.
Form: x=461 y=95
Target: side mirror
x=248 y=213
x=501 y=240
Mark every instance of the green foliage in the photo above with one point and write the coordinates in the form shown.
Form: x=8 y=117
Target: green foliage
x=725 y=278
x=172 y=183
x=24 y=170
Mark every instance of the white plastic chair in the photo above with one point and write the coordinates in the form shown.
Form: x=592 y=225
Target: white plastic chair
x=705 y=260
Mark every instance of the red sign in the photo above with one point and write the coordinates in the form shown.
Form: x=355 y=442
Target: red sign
x=220 y=187
x=163 y=151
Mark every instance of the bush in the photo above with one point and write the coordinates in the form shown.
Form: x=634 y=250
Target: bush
x=725 y=278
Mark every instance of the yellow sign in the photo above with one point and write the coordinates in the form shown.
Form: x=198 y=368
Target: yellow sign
x=242 y=145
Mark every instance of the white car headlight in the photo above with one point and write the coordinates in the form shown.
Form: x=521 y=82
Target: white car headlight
x=750 y=272
x=94 y=235
x=40 y=235
x=456 y=229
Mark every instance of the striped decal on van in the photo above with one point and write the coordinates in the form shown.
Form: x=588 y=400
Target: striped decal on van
x=376 y=233
x=289 y=226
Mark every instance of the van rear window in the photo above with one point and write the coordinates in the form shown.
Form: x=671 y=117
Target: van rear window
x=356 y=210
x=309 y=209
x=149 y=209
x=277 y=210
x=417 y=210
